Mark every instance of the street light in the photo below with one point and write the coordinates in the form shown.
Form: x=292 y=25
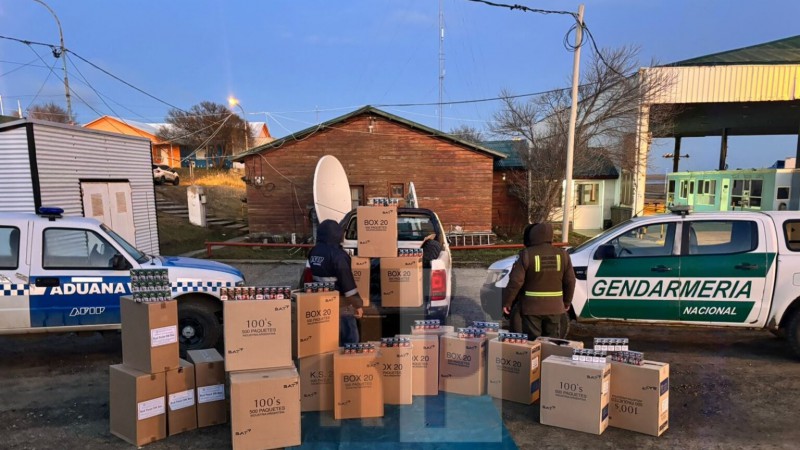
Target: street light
x=63 y=56
x=233 y=101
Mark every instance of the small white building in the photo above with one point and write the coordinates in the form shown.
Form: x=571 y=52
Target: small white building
x=107 y=176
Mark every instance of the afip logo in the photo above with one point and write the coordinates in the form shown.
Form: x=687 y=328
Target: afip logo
x=87 y=311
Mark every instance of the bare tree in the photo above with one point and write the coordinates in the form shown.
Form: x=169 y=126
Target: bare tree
x=468 y=133
x=51 y=112
x=207 y=125
x=609 y=101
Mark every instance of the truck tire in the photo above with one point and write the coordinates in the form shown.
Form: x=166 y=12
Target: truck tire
x=793 y=332
x=198 y=325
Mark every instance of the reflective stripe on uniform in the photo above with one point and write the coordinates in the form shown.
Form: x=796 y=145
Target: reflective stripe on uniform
x=537 y=263
x=544 y=293
x=351 y=293
x=558 y=263
x=325 y=279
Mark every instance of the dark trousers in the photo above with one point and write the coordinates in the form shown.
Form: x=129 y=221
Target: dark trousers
x=537 y=326
x=348 y=329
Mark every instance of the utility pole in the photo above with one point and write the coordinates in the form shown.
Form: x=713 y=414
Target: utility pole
x=441 y=64
x=573 y=117
x=63 y=56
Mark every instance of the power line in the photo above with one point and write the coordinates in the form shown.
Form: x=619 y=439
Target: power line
x=524 y=8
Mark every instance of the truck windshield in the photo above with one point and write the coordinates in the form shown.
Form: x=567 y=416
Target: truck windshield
x=140 y=257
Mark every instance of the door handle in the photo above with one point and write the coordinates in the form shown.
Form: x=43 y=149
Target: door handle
x=47 y=282
x=745 y=266
x=660 y=269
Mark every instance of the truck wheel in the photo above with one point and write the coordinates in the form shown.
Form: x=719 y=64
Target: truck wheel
x=198 y=326
x=176 y=181
x=793 y=332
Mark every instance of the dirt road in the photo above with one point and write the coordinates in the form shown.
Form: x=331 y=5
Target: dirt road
x=729 y=389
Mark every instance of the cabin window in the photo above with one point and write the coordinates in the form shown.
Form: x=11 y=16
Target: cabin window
x=357 y=196
x=706 y=190
x=670 y=191
x=783 y=193
x=684 y=189
x=746 y=193
x=588 y=194
x=626 y=189
x=397 y=190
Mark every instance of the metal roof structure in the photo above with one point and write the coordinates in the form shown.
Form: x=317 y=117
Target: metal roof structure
x=782 y=51
x=511 y=148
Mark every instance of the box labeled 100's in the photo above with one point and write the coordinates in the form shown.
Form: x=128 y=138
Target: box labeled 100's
x=316 y=323
x=357 y=386
x=424 y=364
x=575 y=394
x=361 y=267
x=209 y=378
x=265 y=409
x=316 y=382
x=149 y=335
x=137 y=404
x=640 y=397
x=258 y=334
x=514 y=371
x=462 y=365
x=377 y=231
x=401 y=282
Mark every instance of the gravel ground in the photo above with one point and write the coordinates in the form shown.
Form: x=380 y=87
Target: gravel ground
x=729 y=389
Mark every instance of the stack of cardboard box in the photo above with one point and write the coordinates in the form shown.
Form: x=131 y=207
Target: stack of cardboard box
x=462 y=363
x=514 y=369
x=316 y=331
x=265 y=386
x=357 y=382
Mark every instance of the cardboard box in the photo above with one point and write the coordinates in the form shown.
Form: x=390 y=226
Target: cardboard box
x=514 y=371
x=424 y=364
x=181 y=405
x=265 y=409
x=397 y=373
x=557 y=347
x=137 y=405
x=401 y=282
x=575 y=394
x=149 y=335
x=441 y=331
x=258 y=334
x=462 y=365
x=316 y=323
x=361 y=267
x=377 y=231
x=209 y=378
x=316 y=382
x=357 y=386
x=640 y=397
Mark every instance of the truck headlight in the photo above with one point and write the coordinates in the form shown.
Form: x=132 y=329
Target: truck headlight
x=240 y=283
x=495 y=275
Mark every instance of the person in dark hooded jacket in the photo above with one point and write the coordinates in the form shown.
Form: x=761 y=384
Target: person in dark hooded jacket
x=542 y=282
x=330 y=263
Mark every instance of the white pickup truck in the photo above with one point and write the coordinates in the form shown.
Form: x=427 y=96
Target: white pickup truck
x=65 y=274
x=728 y=269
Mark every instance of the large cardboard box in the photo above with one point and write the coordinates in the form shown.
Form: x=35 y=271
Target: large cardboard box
x=258 y=334
x=397 y=373
x=316 y=382
x=462 y=365
x=357 y=386
x=209 y=378
x=424 y=364
x=316 y=323
x=514 y=371
x=575 y=394
x=181 y=405
x=557 y=347
x=441 y=331
x=149 y=335
x=265 y=409
x=377 y=231
x=361 y=267
x=640 y=397
x=401 y=282
x=137 y=405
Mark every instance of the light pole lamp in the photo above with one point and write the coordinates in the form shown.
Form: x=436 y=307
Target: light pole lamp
x=63 y=56
x=233 y=101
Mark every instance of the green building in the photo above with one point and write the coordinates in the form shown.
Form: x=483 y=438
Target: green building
x=731 y=190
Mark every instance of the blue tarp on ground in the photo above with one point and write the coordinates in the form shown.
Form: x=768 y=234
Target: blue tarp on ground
x=447 y=421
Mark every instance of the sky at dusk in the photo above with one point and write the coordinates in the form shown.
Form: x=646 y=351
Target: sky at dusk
x=296 y=63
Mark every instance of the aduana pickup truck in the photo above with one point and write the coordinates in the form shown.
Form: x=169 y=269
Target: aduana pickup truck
x=726 y=269
x=66 y=274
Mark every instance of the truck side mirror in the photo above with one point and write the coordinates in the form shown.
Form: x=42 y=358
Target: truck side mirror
x=605 y=251
x=118 y=262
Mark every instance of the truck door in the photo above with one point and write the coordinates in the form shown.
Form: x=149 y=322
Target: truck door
x=14 y=277
x=640 y=280
x=724 y=269
x=74 y=283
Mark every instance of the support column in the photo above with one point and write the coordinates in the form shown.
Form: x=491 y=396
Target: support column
x=723 y=149
x=676 y=154
x=794 y=194
x=642 y=150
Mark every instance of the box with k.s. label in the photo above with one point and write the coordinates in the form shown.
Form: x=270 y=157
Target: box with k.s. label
x=316 y=323
x=316 y=382
x=209 y=378
x=396 y=370
x=401 y=282
x=149 y=335
x=357 y=386
x=265 y=409
x=424 y=364
x=462 y=365
x=258 y=334
x=181 y=405
x=575 y=394
x=361 y=267
x=377 y=231
x=558 y=347
x=640 y=397
x=137 y=405
x=514 y=371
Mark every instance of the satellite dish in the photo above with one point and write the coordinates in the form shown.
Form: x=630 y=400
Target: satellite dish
x=411 y=198
x=332 y=198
